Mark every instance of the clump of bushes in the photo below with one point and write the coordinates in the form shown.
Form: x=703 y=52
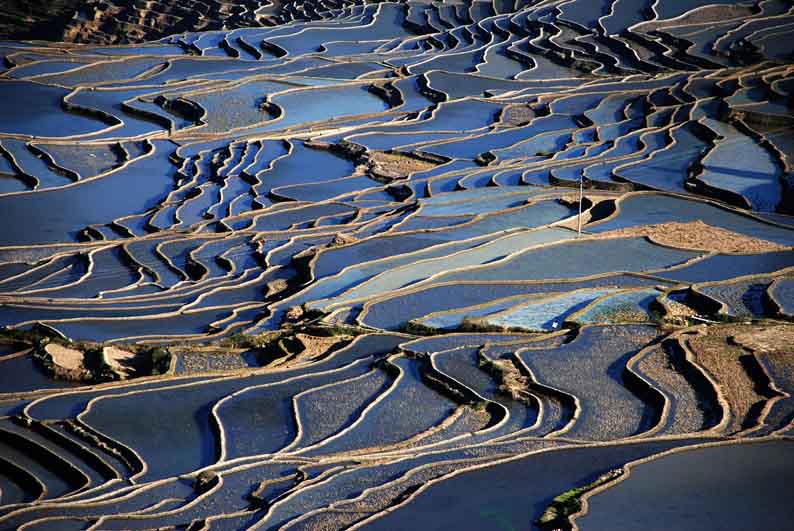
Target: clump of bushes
x=557 y=514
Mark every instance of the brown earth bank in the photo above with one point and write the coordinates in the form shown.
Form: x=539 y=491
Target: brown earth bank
x=697 y=236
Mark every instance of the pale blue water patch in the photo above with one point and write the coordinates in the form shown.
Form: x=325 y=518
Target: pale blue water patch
x=347 y=48
x=458 y=62
x=634 y=306
x=34 y=109
x=332 y=286
x=534 y=215
x=414 y=272
x=546 y=314
x=585 y=14
x=413 y=99
x=392 y=313
x=577 y=259
x=453 y=320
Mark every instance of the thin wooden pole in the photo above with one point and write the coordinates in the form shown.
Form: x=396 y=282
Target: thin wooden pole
x=581 y=194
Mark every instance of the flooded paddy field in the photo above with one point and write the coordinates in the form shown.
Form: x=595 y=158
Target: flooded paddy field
x=312 y=265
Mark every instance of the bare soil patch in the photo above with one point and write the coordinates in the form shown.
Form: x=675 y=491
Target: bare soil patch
x=697 y=236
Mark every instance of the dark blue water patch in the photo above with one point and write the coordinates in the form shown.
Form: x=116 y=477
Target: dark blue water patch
x=742 y=299
x=385 y=140
x=29 y=163
x=57 y=215
x=9 y=270
x=252 y=288
x=43 y=67
x=110 y=271
x=498 y=140
x=702 y=488
x=650 y=209
x=35 y=110
x=459 y=85
x=110 y=102
x=724 y=267
x=10 y=182
x=262 y=421
x=144 y=252
x=153 y=49
x=541 y=145
x=48 y=273
x=21 y=374
x=394 y=313
x=413 y=98
x=667 y=169
x=304 y=165
x=180 y=69
x=286 y=219
x=312 y=105
x=101 y=72
x=675 y=9
x=336 y=259
x=12 y=314
x=510 y=494
x=325 y=190
x=440 y=343
x=430 y=222
x=342 y=70
x=165 y=326
x=86 y=161
x=783 y=294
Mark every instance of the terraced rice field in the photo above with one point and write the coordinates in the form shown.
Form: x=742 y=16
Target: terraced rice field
x=399 y=265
